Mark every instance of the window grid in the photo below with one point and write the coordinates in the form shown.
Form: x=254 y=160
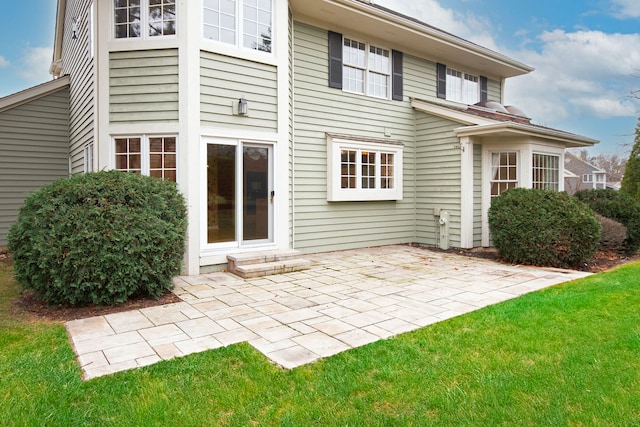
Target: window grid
x=348 y=168
x=257 y=25
x=504 y=173
x=224 y=19
x=546 y=171
x=368 y=169
x=365 y=69
x=127 y=18
x=162 y=158
x=587 y=178
x=128 y=155
x=462 y=87
x=162 y=17
x=386 y=170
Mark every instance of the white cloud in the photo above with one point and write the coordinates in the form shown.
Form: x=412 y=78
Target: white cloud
x=586 y=74
x=626 y=9
x=35 y=63
x=3 y=62
x=578 y=74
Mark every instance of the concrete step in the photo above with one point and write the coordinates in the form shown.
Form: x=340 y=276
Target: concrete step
x=265 y=263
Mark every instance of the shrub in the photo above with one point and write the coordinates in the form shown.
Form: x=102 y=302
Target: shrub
x=543 y=227
x=99 y=238
x=619 y=207
x=613 y=234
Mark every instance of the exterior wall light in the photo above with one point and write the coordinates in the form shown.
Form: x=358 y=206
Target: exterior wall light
x=243 y=107
x=74 y=29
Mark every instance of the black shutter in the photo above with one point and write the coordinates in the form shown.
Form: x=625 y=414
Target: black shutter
x=441 y=86
x=335 y=60
x=396 y=81
x=484 y=90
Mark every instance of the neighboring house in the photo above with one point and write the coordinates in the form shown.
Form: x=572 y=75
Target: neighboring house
x=582 y=175
x=34 y=145
x=314 y=125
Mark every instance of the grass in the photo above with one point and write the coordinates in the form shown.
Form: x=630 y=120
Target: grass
x=568 y=355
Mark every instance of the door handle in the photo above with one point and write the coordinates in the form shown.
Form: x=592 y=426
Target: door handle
x=273 y=193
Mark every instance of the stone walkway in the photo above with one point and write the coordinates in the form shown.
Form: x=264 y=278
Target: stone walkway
x=347 y=299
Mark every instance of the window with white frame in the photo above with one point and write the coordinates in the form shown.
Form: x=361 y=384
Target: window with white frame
x=366 y=68
x=587 y=178
x=504 y=172
x=462 y=87
x=363 y=170
x=88 y=158
x=144 y=18
x=148 y=155
x=546 y=171
x=244 y=23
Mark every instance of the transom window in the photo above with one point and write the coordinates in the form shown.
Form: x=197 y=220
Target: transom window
x=147 y=155
x=546 y=171
x=504 y=172
x=364 y=170
x=462 y=87
x=144 y=18
x=366 y=68
x=226 y=20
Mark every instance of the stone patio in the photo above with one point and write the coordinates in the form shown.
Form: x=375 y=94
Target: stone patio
x=347 y=299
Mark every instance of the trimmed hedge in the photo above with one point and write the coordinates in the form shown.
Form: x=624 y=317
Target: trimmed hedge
x=543 y=227
x=619 y=207
x=100 y=238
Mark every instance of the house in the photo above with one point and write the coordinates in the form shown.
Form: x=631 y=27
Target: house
x=582 y=175
x=314 y=125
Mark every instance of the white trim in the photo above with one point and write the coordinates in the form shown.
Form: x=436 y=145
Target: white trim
x=466 y=193
x=144 y=23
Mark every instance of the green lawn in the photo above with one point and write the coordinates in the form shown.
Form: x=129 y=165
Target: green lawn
x=569 y=355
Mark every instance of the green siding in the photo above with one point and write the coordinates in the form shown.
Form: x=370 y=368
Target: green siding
x=321 y=225
x=437 y=177
x=34 y=151
x=77 y=63
x=224 y=80
x=143 y=86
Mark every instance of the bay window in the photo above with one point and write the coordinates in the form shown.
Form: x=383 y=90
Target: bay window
x=360 y=170
x=546 y=171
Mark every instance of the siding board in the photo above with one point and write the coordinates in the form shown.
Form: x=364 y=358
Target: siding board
x=34 y=151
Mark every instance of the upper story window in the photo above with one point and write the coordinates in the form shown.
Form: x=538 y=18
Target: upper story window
x=359 y=67
x=462 y=87
x=366 y=68
x=144 y=18
x=458 y=86
x=244 y=23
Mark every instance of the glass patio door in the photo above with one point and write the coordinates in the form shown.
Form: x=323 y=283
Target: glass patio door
x=239 y=194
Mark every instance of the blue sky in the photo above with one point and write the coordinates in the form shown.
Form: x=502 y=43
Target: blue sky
x=586 y=54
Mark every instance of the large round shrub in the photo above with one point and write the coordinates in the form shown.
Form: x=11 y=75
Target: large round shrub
x=99 y=238
x=543 y=227
x=619 y=207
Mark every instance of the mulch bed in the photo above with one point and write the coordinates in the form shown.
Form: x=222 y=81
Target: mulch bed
x=28 y=305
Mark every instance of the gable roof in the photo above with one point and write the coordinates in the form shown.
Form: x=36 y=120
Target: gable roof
x=480 y=121
x=33 y=93
x=363 y=16
x=575 y=163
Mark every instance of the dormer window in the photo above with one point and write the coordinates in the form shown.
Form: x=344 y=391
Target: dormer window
x=144 y=18
x=244 y=23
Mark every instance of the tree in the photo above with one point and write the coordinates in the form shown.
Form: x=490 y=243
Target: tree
x=612 y=164
x=631 y=179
